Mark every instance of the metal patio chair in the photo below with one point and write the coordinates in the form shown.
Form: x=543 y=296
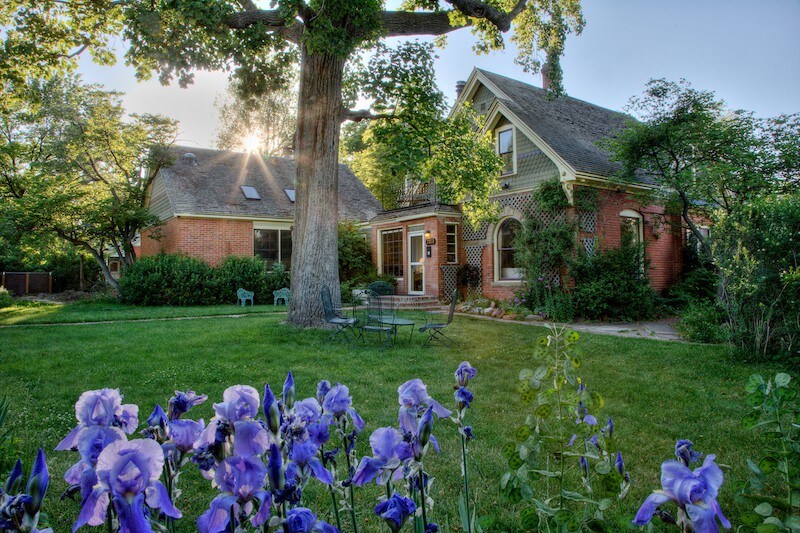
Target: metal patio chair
x=335 y=317
x=374 y=315
x=435 y=329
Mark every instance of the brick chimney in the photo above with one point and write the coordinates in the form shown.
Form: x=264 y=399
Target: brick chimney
x=460 y=87
x=546 y=82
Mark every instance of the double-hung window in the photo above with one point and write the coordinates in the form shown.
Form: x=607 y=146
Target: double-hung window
x=273 y=246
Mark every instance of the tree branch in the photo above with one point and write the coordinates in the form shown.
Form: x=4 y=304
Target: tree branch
x=357 y=115
x=270 y=19
x=405 y=23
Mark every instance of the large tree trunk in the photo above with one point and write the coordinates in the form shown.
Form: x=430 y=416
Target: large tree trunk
x=315 y=262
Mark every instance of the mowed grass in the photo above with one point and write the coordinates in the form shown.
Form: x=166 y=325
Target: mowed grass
x=655 y=391
x=29 y=312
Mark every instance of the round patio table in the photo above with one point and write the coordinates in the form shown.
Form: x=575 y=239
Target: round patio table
x=396 y=323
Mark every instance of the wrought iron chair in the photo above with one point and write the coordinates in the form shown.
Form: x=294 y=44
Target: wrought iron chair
x=334 y=316
x=375 y=313
x=381 y=288
x=435 y=330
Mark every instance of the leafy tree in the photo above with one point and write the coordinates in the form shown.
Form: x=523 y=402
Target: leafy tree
x=73 y=167
x=708 y=159
x=261 y=47
x=414 y=141
x=268 y=118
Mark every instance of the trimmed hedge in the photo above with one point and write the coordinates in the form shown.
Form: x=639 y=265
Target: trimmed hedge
x=175 y=279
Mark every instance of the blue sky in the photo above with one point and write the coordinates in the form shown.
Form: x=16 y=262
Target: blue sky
x=746 y=51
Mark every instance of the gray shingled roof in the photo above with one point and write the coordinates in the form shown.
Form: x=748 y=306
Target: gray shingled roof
x=401 y=212
x=212 y=186
x=569 y=126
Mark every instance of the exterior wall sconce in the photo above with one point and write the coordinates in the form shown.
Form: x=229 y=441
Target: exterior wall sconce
x=430 y=241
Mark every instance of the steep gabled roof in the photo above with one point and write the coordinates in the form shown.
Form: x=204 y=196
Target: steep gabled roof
x=211 y=182
x=571 y=127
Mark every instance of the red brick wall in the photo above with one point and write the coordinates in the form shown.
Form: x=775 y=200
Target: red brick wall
x=434 y=282
x=663 y=235
x=211 y=240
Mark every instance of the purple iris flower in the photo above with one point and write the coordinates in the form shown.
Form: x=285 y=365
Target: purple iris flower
x=319 y=433
x=695 y=492
x=463 y=398
x=619 y=463
x=271 y=411
x=464 y=373
x=424 y=435
x=250 y=438
x=338 y=403
x=584 y=466
x=388 y=451
x=395 y=511
x=241 y=481
x=302 y=520
x=127 y=474
x=308 y=410
x=158 y=418
x=104 y=408
x=431 y=528
x=685 y=453
x=92 y=441
x=593 y=440
x=24 y=508
x=468 y=433
x=239 y=402
x=322 y=389
x=413 y=398
x=609 y=429
x=183 y=401
x=288 y=391
x=184 y=433
x=304 y=455
x=275 y=470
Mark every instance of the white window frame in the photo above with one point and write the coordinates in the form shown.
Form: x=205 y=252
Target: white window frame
x=380 y=248
x=497 y=133
x=498 y=280
x=630 y=213
x=455 y=261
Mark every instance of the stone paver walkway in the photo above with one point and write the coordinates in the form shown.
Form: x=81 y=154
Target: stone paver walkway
x=663 y=330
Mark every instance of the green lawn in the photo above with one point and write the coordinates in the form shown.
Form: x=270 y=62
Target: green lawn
x=656 y=392
x=27 y=312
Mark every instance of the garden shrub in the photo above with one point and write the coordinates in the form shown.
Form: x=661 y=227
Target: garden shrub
x=5 y=298
x=277 y=278
x=168 y=279
x=549 y=300
x=697 y=285
x=612 y=284
x=757 y=250
x=703 y=321
x=249 y=273
x=355 y=255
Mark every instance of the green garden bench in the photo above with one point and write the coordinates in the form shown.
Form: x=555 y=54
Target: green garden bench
x=281 y=294
x=243 y=296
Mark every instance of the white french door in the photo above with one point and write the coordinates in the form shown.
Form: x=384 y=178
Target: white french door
x=416 y=263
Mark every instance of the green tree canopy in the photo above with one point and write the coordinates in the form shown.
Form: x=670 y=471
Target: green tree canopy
x=703 y=156
x=74 y=166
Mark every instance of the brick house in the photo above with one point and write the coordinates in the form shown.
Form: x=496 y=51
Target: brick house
x=213 y=204
x=423 y=243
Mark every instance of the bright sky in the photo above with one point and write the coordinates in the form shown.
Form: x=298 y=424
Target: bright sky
x=747 y=52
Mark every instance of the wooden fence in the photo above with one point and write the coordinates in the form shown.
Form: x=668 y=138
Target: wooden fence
x=21 y=283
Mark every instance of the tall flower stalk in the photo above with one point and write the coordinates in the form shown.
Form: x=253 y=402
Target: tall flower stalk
x=463 y=398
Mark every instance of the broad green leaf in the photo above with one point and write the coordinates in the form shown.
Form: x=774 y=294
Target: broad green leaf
x=515 y=462
x=525 y=374
x=754 y=383
x=543 y=411
x=764 y=509
x=529 y=518
x=751 y=519
x=523 y=432
x=768 y=465
x=782 y=379
x=605 y=503
x=602 y=467
x=562 y=516
x=509 y=450
x=750 y=420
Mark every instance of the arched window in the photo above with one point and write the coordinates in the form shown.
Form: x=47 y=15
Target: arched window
x=631 y=227
x=505 y=266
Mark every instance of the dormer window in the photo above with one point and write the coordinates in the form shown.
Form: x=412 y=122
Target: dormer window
x=505 y=149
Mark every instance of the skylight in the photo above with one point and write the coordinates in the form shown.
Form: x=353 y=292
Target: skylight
x=290 y=194
x=250 y=192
